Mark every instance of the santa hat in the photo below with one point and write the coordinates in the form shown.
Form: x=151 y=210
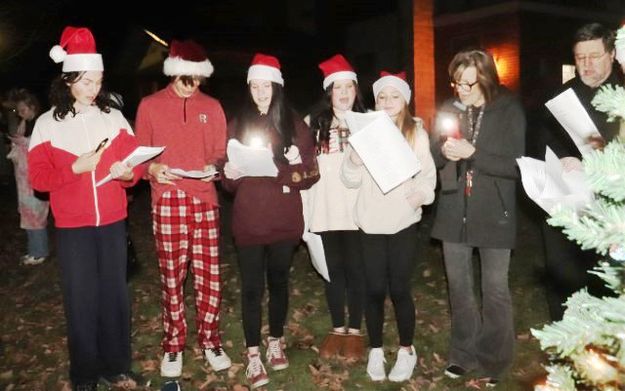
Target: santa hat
x=397 y=80
x=620 y=45
x=265 y=67
x=187 y=58
x=77 y=51
x=336 y=68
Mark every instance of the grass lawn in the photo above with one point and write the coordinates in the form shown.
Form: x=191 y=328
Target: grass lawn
x=33 y=353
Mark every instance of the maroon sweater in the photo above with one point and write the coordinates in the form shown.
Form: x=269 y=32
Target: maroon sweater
x=263 y=211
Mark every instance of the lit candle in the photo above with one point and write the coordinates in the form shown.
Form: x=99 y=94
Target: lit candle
x=256 y=142
x=448 y=125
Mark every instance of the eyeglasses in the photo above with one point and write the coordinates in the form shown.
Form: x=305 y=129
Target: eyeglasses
x=590 y=57
x=466 y=87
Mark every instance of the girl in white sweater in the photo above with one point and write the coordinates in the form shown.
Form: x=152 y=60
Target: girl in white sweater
x=387 y=225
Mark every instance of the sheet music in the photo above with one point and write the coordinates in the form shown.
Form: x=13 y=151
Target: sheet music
x=382 y=148
x=251 y=161
x=570 y=113
x=139 y=155
x=548 y=185
x=194 y=174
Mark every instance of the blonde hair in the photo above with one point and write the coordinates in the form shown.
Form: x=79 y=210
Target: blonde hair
x=407 y=124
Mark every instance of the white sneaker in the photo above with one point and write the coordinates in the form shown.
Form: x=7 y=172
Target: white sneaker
x=217 y=358
x=406 y=361
x=171 y=364
x=375 y=365
x=31 y=261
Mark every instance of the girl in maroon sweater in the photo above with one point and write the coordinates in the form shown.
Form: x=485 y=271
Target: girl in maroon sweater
x=267 y=220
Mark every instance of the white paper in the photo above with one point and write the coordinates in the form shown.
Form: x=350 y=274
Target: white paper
x=139 y=155
x=570 y=113
x=548 y=185
x=382 y=148
x=251 y=161
x=194 y=174
x=313 y=241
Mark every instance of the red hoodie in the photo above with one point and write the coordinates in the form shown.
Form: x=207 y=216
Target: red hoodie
x=193 y=131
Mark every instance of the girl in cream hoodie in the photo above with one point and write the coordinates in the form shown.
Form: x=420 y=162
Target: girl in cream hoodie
x=387 y=225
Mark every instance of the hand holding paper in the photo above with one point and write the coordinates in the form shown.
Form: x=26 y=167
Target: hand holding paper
x=382 y=148
x=548 y=184
x=139 y=155
x=251 y=161
x=570 y=113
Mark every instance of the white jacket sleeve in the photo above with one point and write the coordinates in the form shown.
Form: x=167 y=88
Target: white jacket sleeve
x=423 y=184
x=351 y=174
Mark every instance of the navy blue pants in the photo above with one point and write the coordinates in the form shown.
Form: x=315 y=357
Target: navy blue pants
x=95 y=296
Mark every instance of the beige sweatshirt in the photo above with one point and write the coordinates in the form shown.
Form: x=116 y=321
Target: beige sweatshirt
x=378 y=213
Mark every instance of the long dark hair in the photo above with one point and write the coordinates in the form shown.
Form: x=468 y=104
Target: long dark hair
x=63 y=101
x=322 y=114
x=280 y=118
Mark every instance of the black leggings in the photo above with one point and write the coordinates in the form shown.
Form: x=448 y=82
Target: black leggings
x=344 y=260
x=389 y=261
x=254 y=262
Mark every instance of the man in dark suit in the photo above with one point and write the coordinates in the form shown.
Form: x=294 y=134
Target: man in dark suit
x=566 y=264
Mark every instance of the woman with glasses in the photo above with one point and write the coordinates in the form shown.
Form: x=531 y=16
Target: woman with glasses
x=478 y=135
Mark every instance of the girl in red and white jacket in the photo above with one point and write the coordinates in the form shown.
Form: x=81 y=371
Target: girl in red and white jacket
x=80 y=141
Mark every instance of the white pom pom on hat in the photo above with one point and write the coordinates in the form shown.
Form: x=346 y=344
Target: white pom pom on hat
x=57 y=54
x=77 y=51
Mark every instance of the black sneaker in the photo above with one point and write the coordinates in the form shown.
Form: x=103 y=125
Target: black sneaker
x=454 y=371
x=85 y=387
x=492 y=382
x=171 y=385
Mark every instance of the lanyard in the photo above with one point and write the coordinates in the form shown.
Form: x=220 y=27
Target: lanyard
x=474 y=127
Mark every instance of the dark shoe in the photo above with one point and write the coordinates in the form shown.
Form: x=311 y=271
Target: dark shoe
x=354 y=347
x=85 y=387
x=492 y=382
x=454 y=371
x=127 y=381
x=171 y=385
x=331 y=345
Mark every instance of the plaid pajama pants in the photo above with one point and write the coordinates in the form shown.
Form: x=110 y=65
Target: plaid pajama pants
x=187 y=233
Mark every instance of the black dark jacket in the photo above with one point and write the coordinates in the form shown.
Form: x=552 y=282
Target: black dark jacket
x=490 y=211
x=554 y=135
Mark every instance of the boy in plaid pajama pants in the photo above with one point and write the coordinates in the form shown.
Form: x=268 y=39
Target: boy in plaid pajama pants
x=192 y=127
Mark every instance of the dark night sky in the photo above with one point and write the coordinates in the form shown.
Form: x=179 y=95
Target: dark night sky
x=28 y=29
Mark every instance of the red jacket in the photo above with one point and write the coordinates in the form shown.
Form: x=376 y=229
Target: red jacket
x=269 y=210
x=193 y=130
x=74 y=198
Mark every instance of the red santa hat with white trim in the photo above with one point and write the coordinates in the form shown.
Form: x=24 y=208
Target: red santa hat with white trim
x=77 y=51
x=336 y=68
x=396 y=80
x=187 y=58
x=265 y=67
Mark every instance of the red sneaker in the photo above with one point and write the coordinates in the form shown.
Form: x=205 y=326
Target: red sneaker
x=275 y=354
x=255 y=372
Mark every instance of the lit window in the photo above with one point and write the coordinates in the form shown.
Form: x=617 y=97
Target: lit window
x=568 y=72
